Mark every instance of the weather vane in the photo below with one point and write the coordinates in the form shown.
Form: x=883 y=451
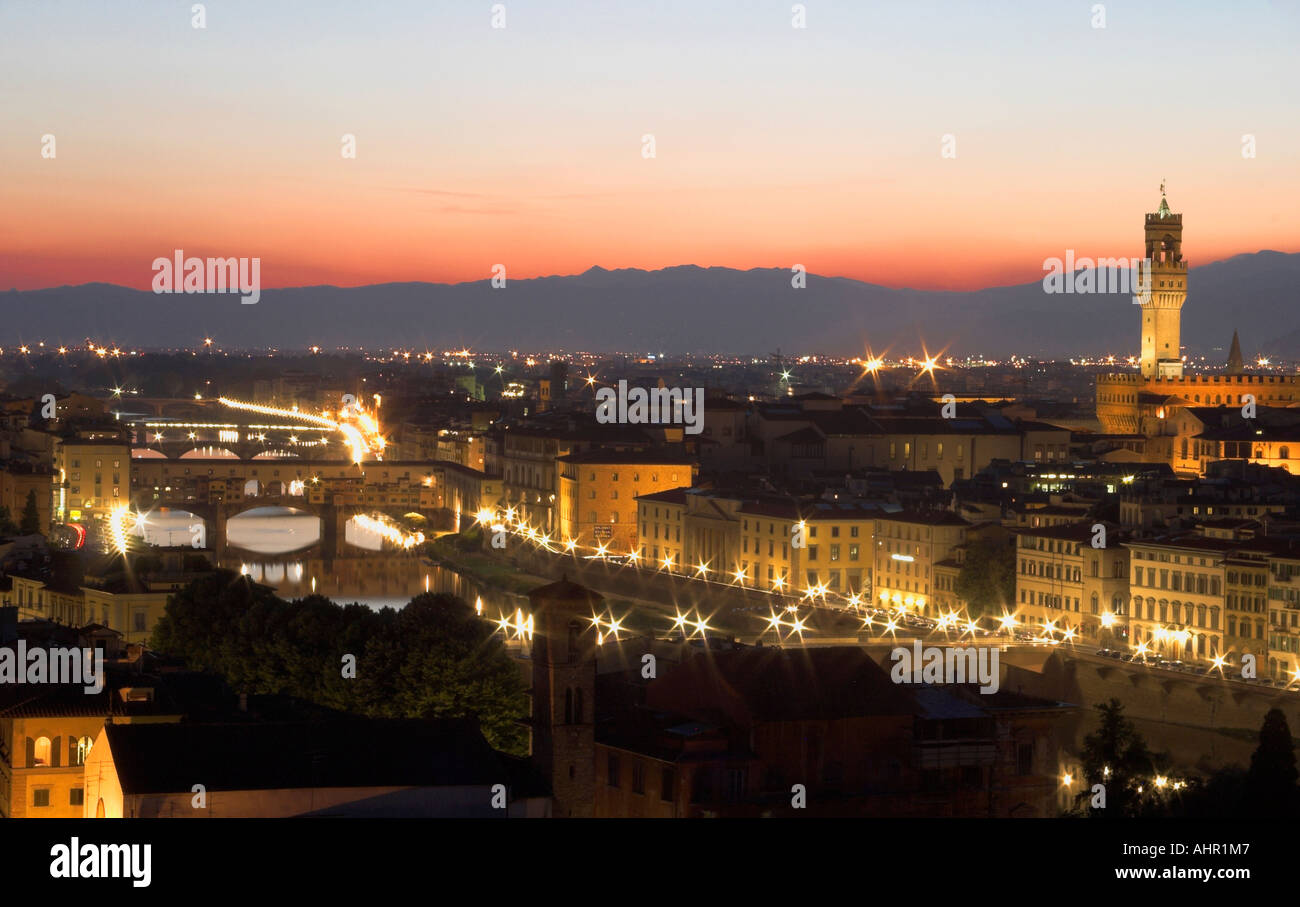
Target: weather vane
x=1162 y=187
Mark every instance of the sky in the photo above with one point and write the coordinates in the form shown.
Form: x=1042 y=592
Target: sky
x=524 y=146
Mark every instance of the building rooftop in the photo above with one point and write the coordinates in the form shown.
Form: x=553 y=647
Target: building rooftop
x=630 y=457
x=167 y=758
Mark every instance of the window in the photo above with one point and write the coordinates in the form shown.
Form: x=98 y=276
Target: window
x=77 y=796
x=41 y=797
x=638 y=777
x=611 y=771
x=40 y=753
x=1025 y=759
x=82 y=751
x=666 y=785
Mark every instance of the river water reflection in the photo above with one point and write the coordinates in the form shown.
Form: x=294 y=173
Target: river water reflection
x=280 y=548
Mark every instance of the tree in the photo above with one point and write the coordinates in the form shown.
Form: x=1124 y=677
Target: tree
x=147 y=564
x=7 y=525
x=1270 y=790
x=31 y=521
x=1116 y=757
x=432 y=659
x=987 y=581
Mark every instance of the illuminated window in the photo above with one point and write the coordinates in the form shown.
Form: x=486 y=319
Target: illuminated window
x=82 y=751
x=41 y=752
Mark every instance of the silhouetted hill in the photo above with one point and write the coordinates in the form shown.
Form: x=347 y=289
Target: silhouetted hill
x=681 y=309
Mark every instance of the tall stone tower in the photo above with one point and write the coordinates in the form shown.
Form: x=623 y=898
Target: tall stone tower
x=1164 y=289
x=564 y=692
x=1235 y=365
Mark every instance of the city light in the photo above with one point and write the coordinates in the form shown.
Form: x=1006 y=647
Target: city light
x=387 y=530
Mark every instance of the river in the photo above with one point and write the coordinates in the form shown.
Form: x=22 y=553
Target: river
x=279 y=547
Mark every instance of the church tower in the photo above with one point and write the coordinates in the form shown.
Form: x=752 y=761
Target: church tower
x=1163 y=289
x=564 y=693
x=1235 y=365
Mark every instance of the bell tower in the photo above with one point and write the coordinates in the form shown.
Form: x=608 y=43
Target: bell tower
x=1161 y=293
x=564 y=692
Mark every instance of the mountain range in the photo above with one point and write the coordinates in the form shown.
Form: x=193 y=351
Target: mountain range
x=678 y=310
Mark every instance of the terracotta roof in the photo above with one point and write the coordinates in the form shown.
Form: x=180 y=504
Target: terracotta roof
x=671 y=496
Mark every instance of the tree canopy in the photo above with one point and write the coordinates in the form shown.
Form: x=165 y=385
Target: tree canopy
x=1270 y=788
x=1116 y=756
x=31 y=518
x=987 y=581
x=432 y=659
x=7 y=525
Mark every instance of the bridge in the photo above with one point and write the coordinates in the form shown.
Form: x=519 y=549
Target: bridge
x=332 y=514
x=239 y=429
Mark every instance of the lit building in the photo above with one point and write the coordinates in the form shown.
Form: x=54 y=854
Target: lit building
x=1283 y=614
x=598 y=491
x=661 y=516
x=1063 y=583
x=1247 y=609
x=528 y=457
x=1177 y=591
x=908 y=546
x=762 y=542
x=93 y=477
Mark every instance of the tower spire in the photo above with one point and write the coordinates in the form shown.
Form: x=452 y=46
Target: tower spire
x=1235 y=366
